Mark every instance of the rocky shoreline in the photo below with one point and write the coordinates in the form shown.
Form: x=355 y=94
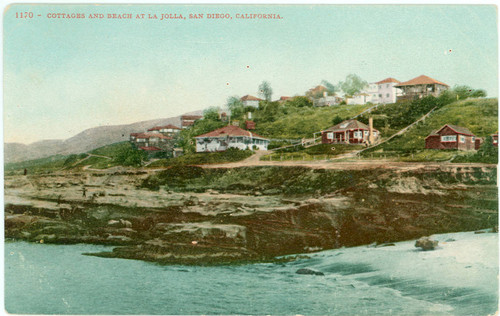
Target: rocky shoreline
x=248 y=214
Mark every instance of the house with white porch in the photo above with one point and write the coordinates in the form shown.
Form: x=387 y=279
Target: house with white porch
x=230 y=137
x=167 y=130
x=250 y=100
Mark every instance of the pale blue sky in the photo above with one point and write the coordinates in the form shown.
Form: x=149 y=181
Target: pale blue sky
x=62 y=76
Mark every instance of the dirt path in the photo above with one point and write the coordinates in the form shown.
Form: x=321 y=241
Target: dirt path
x=346 y=165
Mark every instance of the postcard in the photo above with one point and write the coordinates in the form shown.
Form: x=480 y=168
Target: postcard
x=208 y=159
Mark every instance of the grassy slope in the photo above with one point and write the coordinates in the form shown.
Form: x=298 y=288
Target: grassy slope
x=203 y=158
x=480 y=116
x=57 y=162
x=48 y=163
x=303 y=122
x=321 y=151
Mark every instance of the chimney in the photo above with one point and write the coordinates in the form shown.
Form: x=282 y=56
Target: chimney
x=371 y=139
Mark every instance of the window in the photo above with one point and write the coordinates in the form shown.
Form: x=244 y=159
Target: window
x=462 y=139
x=449 y=138
x=473 y=139
x=358 y=134
x=495 y=141
x=366 y=133
x=380 y=95
x=329 y=135
x=387 y=95
x=344 y=125
x=387 y=85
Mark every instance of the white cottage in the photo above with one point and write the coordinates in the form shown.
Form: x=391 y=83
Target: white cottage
x=387 y=90
x=250 y=100
x=230 y=137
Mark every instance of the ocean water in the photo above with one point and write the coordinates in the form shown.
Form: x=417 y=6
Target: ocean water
x=459 y=278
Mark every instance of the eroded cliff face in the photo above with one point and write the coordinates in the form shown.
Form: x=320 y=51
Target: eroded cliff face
x=198 y=216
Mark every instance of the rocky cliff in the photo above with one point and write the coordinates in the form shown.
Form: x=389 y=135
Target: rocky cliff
x=191 y=215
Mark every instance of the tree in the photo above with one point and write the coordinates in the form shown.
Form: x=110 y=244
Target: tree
x=212 y=113
x=337 y=119
x=352 y=84
x=479 y=93
x=463 y=92
x=265 y=90
x=235 y=106
x=330 y=88
x=488 y=149
x=130 y=157
x=299 y=102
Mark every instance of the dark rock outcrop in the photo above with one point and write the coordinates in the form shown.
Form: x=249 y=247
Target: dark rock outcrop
x=426 y=243
x=309 y=271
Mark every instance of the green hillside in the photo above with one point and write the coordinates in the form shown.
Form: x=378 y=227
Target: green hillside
x=480 y=116
x=38 y=165
x=121 y=153
x=303 y=122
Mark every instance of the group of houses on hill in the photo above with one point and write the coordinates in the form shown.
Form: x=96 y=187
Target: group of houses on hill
x=161 y=138
x=385 y=91
x=389 y=90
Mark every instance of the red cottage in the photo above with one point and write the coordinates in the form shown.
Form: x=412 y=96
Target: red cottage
x=451 y=137
x=348 y=132
x=494 y=137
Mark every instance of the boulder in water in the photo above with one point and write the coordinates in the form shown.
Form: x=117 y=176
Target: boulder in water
x=309 y=271
x=426 y=243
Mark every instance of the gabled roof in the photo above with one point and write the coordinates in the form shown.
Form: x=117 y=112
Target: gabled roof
x=434 y=133
x=150 y=148
x=457 y=129
x=191 y=117
x=388 y=80
x=151 y=135
x=283 y=98
x=318 y=88
x=250 y=98
x=157 y=128
x=348 y=125
x=229 y=130
x=421 y=80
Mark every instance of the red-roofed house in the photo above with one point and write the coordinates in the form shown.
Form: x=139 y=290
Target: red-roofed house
x=230 y=137
x=188 y=120
x=250 y=100
x=150 y=140
x=167 y=130
x=348 y=132
x=420 y=87
x=451 y=137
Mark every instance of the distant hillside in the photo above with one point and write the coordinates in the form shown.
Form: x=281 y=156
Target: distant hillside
x=83 y=142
